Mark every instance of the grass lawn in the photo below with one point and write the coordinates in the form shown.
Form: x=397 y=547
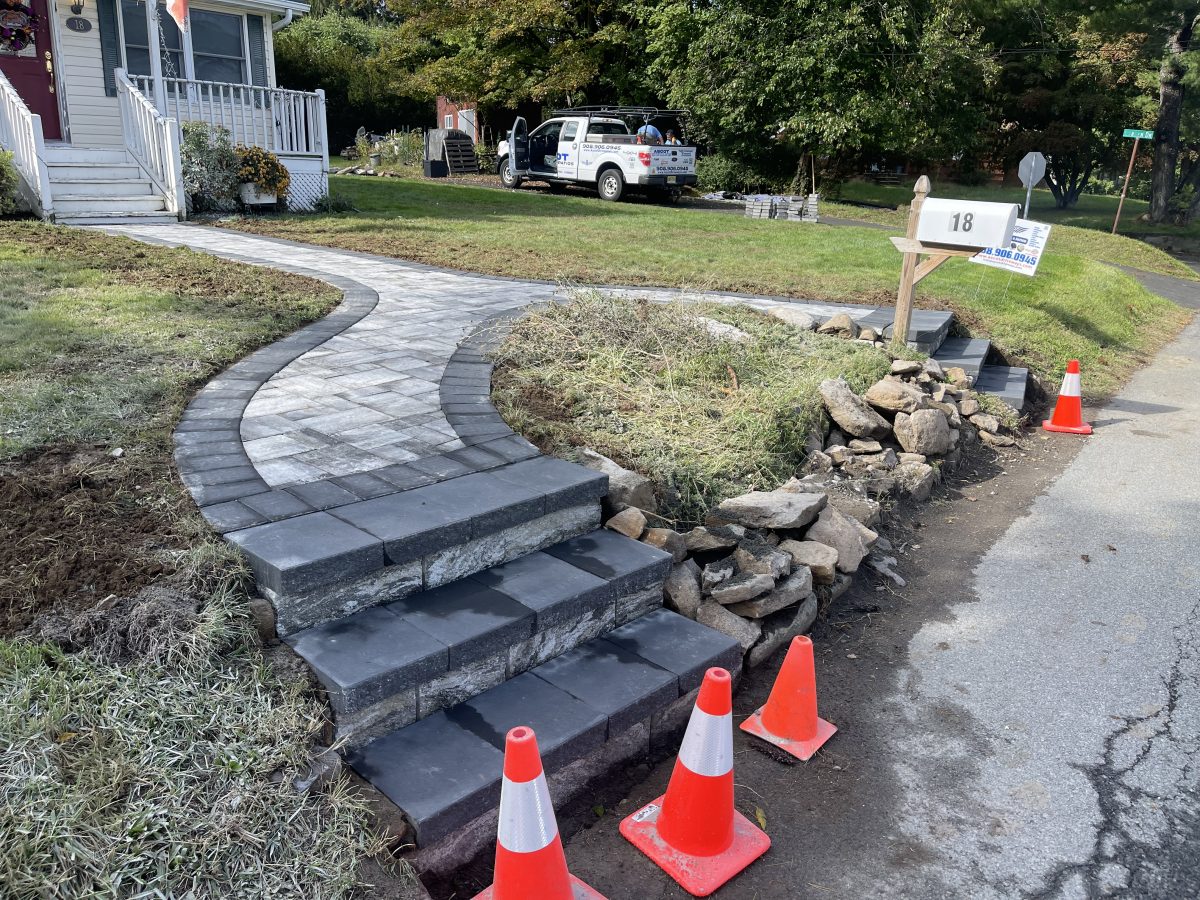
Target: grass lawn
x=1075 y=307
x=148 y=746
x=1093 y=211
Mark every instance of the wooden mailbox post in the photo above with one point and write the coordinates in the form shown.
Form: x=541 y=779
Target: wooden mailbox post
x=956 y=228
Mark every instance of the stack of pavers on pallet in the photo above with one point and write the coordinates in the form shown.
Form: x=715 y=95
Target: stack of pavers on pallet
x=788 y=208
x=760 y=208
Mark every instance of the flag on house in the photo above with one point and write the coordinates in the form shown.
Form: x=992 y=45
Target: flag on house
x=178 y=10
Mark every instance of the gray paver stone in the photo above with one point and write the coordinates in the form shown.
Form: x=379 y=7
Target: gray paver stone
x=555 y=590
x=473 y=621
x=296 y=555
x=678 y=645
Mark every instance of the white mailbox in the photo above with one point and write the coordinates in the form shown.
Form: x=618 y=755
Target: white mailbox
x=966 y=223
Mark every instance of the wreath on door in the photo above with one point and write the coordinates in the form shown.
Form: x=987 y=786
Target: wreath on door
x=17 y=25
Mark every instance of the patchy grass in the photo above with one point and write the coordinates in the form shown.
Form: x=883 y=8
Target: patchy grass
x=1075 y=307
x=648 y=385
x=148 y=748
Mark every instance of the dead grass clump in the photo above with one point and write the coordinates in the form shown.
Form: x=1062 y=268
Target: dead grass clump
x=648 y=384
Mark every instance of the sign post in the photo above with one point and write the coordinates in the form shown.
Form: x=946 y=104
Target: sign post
x=1138 y=136
x=1032 y=169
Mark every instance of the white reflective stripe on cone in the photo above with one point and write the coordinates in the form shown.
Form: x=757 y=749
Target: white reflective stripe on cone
x=1072 y=386
x=708 y=744
x=526 y=815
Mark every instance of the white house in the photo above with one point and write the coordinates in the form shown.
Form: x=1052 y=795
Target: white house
x=92 y=115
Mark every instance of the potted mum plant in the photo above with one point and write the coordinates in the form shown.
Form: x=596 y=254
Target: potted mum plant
x=264 y=179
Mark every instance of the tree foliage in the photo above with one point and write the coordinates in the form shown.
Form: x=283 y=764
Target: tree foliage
x=353 y=60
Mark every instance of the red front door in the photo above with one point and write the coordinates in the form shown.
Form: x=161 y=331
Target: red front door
x=31 y=70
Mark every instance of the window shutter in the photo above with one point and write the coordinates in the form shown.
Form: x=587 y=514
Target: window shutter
x=110 y=43
x=258 y=50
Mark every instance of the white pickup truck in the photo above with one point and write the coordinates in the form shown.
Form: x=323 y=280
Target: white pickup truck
x=595 y=147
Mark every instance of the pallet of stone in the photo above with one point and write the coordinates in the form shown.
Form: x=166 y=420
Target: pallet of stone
x=760 y=209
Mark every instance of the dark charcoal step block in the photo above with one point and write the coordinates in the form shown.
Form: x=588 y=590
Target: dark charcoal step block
x=966 y=353
x=678 y=645
x=439 y=772
x=620 y=684
x=626 y=564
x=1006 y=382
x=926 y=330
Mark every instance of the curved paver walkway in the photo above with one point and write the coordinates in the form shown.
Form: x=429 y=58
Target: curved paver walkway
x=379 y=396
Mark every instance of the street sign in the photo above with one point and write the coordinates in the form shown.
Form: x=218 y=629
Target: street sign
x=1032 y=169
x=966 y=223
x=1022 y=254
x=1139 y=134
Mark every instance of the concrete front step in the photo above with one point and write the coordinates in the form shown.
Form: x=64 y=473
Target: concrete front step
x=1009 y=383
x=390 y=665
x=102 y=205
x=966 y=353
x=103 y=187
x=603 y=704
x=71 y=154
x=322 y=566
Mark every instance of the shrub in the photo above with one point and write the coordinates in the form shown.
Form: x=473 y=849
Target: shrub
x=9 y=181
x=402 y=148
x=333 y=203
x=718 y=172
x=210 y=167
x=263 y=169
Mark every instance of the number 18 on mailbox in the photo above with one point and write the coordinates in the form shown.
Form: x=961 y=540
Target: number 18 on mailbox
x=966 y=223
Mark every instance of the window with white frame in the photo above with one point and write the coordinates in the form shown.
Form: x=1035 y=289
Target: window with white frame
x=449 y=121
x=214 y=47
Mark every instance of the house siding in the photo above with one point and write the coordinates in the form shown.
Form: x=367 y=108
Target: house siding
x=93 y=119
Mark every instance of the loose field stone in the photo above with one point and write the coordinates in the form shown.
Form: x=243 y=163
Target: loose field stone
x=630 y=522
x=844 y=534
x=911 y=457
x=768 y=509
x=682 y=588
x=741 y=587
x=819 y=559
x=917 y=479
x=745 y=631
x=950 y=410
x=794 y=317
x=760 y=558
x=968 y=406
x=905 y=367
x=667 y=540
x=850 y=411
x=996 y=440
x=702 y=538
x=840 y=325
x=896 y=396
x=861 y=509
x=885 y=460
x=818 y=461
x=779 y=628
x=861 y=446
x=933 y=369
x=789 y=592
x=723 y=331
x=625 y=487
x=839 y=456
x=835 y=439
x=924 y=431
x=986 y=422
x=717 y=572
x=958 y=375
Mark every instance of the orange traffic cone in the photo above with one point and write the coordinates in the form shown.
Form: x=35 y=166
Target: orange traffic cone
x=1068 y=412
x=693 y=832
x=789 y=718
x=529 y=854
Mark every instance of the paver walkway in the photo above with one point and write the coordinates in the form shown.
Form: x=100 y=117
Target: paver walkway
x=367 y=398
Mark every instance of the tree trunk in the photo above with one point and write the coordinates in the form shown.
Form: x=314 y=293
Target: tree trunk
x=1170 y=110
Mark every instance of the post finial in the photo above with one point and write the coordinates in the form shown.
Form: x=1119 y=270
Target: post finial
x=921 y=188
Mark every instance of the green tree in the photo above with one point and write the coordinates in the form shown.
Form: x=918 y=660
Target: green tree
x=838 y=78
x=354 y=61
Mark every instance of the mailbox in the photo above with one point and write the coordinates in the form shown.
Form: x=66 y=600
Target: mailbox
x=966 y=223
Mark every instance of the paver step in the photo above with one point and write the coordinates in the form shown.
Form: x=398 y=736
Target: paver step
x=324 y=565
x=444 y=771
x=966 y=353
x=389 y=665
x=1006 y=382
x=926 y=330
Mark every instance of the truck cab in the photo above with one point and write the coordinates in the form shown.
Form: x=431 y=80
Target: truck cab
x=596 y=147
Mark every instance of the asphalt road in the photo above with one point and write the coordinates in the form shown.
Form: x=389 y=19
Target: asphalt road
x=1021 y=720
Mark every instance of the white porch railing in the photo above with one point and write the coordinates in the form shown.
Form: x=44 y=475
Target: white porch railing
x=153 y=140
x=21 y=133
x=282 y=121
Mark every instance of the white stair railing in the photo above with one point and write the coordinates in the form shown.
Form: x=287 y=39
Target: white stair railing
x=21 y=134
x=153 y=140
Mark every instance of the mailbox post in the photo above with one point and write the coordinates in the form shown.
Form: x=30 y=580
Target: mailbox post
x=942 y=229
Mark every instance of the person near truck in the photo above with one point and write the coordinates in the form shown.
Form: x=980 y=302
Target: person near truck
x=671 y=140
x=648 y=134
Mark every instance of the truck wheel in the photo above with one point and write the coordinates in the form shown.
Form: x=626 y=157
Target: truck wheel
x=507 y=177
x=611 y=185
